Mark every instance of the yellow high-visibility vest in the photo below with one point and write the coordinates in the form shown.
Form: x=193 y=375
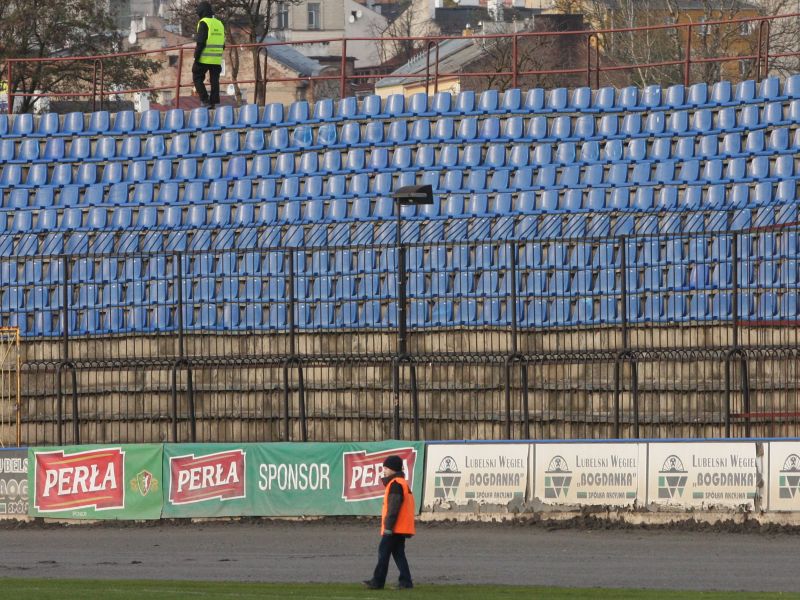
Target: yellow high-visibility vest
x=212 y=53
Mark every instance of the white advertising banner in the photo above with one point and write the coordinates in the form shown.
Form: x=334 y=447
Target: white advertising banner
x=784 y=476
x=589 y=474
x=705 y=474
x=458 y=474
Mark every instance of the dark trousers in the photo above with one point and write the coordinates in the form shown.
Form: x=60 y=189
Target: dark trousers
x=392 y=546
x=199 y=71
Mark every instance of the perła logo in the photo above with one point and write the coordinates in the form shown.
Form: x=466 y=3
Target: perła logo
x=789 y=477
x=213 y=476
x=672 y=478
x=447 y=479
x=557 y=478
x=93 y=479
x=363 y=471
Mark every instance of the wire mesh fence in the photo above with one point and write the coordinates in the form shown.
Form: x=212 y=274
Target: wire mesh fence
x=477 y=336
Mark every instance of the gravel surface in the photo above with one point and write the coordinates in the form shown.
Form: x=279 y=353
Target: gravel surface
x=708 y=558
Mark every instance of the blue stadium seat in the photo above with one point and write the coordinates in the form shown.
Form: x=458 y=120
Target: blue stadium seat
x=22 y=125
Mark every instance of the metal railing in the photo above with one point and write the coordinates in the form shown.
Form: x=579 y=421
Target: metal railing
x=754 y=47
x=641 y=336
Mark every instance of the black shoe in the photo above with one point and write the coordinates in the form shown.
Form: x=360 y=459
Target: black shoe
x=371 y=585
x=404 y=586
x=206 y=104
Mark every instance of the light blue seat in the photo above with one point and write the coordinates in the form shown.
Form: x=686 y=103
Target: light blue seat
x=49 y=125
x=722 y=94
x=99 y=123
x=22 y=125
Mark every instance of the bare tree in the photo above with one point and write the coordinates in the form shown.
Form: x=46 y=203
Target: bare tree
x=714 y=48
x=246 y=22
x=395 y=42
x=636 y=48
x=534 y=53
x=780 y=36
x=48 y=28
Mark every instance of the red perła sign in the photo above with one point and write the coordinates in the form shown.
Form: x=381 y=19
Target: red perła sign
x=94 y=479
x=195 y=479
x=363 y=471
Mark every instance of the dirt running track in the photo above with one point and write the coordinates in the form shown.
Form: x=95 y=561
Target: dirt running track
x=343 y=551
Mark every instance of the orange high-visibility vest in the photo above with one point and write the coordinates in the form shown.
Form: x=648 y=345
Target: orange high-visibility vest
x=405 y=518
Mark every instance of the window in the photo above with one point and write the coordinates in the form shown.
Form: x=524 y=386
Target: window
x=282 y=19
x=746 y=28
x=314 y=15
x=173 y=60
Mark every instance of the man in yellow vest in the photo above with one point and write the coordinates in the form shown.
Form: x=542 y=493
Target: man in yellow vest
x=397 y=524
x=208 y=54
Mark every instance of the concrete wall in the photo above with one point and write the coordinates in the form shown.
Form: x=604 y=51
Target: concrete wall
x=680 y=393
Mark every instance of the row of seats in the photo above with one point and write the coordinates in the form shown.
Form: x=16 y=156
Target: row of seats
x=516 y=129
x=396 y=106
x=222 y=220
x=772 y=275
x=379 y=159
x=754 y=251
x=356 y=199
x=154 y=235
x=443 y=179
x=373 y=314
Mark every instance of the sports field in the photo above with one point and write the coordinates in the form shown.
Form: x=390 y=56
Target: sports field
x=45 y=589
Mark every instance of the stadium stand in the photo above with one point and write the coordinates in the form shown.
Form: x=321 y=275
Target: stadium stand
x=559 y=173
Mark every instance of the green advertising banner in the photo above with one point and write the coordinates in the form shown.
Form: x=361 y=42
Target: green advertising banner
x=96 y=482
x=283 y=479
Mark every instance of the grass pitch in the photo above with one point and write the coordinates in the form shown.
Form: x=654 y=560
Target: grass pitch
x=55 y=589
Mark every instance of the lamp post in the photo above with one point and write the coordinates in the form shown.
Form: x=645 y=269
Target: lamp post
x=411 y=195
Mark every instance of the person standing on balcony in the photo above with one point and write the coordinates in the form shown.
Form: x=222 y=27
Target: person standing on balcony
x=397 y=524
x=208 y=54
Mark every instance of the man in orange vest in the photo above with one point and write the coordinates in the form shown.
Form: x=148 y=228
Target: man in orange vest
x=397 y=524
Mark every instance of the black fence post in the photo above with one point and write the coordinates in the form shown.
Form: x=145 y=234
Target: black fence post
x=66 y=361
x=301 y=396
x=286 y=403
x=396 y=393
x=735 y=298
x=76 y=426
x=623 y=258
x=514 y=356
x=402 y=339
x=745 y=385
x=182 y=360
x=508 y=397
x=635 y=397
x=178 y=258
x=735 y=326
x=512 y=252
x=617 y=393
x=526 y=415
x=291 y=307
x=727 y=403
x=59 y=407
x=619 y=363
x=414 y=399
x=65 y=297
x=174 y=406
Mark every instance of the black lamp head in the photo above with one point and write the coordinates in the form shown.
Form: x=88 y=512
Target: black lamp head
x=414 y=194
